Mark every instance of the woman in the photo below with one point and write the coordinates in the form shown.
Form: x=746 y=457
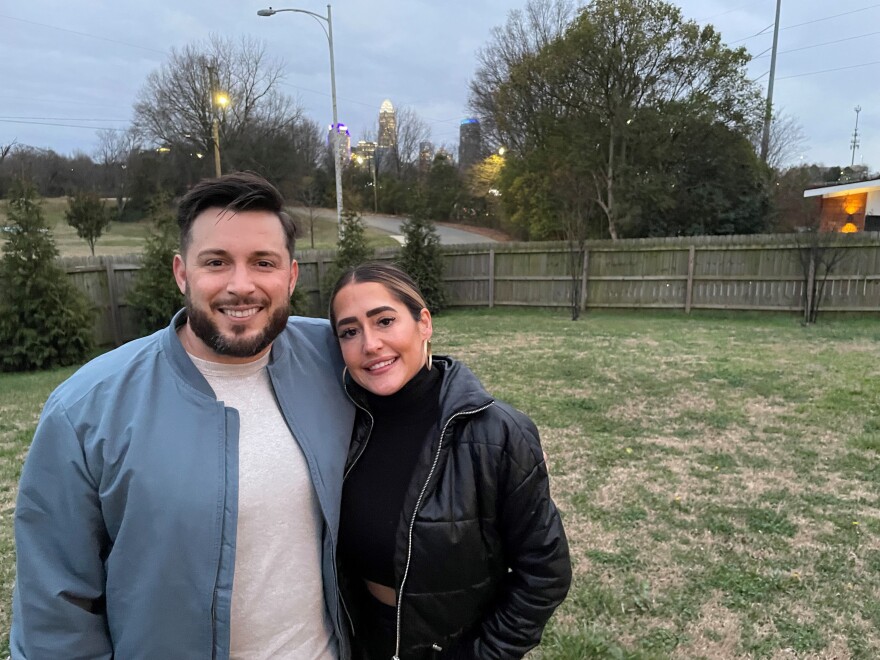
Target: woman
x=450 y=545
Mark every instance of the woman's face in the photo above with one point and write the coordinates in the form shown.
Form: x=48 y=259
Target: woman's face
x=382 y=345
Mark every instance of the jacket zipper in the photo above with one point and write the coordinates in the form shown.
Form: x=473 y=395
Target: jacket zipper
x=344 y=476
x=412 y=521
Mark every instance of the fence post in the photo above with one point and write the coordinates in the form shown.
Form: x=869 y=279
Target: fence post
x=114 y=303
x=491 y=278
x=584 y=272
x=689 y=291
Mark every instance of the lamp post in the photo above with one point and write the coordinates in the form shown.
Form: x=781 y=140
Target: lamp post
x=328 y=32
x=222 y=101
x=218 y=100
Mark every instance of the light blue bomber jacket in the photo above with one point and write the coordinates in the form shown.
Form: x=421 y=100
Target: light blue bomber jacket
x=125 y=523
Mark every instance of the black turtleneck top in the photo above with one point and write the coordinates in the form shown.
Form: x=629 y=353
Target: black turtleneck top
x=374 y=491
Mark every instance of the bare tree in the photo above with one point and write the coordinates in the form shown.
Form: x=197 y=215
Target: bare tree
x=114 y=154
x=310 y=195
x=5 y=149
x=524 y=35
x=787 y=141
x=410 y=132
x=177 y=105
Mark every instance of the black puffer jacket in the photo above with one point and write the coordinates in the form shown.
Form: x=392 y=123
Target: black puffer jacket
x=481 y=560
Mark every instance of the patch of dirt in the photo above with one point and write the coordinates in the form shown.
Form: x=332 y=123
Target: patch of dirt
x=713 y=634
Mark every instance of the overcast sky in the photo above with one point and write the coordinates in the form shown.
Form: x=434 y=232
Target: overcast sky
x=67 y=68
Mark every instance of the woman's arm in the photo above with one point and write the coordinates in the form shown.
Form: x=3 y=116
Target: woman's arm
x=536 y=550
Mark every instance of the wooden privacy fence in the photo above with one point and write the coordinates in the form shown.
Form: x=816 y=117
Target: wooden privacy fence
x=760 y=273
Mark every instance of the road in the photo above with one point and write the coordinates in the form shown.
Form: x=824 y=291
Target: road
x=391 y=224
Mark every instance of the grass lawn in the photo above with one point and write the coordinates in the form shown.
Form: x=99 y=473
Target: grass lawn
x=129 y=237
x=718 y=476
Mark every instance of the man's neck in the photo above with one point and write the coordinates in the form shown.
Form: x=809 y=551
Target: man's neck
x=195 y=346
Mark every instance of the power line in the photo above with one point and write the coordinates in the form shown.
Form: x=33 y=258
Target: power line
x=825 y=43
x=42 y=123
x=815 y=20
x=840 y=68
x=729 y=11
x=84 y=34
x=60 y=119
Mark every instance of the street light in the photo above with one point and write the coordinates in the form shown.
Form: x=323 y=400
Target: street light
x=328 y=32
x=220 y=100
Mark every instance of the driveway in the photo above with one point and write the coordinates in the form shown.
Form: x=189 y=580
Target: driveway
x=392 y=224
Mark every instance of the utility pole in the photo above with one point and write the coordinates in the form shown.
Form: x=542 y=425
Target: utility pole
x=854 y=143
x=768 y=111
x=215 y=122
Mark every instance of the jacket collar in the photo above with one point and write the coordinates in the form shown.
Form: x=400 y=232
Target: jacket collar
x=188 y=371
x=460 y=389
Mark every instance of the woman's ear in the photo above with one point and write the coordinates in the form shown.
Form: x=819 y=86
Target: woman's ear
x=426 y=326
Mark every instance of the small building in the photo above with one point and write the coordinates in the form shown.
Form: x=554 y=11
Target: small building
x=849 y=207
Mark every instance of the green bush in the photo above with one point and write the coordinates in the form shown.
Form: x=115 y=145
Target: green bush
x=422 y=260
x=154 y=296
x=352 y=250
x=87 y=213
x=45 y=322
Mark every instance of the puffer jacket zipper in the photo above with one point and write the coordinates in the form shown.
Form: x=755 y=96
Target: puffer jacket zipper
x=412 y=521
x=344 y=477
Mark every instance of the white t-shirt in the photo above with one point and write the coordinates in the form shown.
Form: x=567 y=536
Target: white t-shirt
x=278 y=608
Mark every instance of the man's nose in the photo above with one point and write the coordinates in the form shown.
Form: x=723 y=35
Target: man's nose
x=240 y=281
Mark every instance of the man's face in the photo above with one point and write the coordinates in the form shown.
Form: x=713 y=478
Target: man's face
x=237 y=277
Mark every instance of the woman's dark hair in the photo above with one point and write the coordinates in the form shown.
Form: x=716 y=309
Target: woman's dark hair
x=394 y=279
x=239 y=191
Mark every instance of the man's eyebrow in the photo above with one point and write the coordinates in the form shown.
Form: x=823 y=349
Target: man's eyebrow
x=259 y=254
x=370 y=313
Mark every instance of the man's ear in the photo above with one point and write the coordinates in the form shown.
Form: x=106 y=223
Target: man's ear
x=179 y=269
x=294 y=275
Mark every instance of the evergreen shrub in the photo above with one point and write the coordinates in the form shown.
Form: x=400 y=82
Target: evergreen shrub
x=45 y=321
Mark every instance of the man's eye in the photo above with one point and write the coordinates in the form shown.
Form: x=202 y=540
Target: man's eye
x=214 y=263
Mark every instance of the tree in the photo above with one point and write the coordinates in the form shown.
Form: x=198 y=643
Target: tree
x=114 y=153
x=351 y=250
x=45 y=321
x=410 y=131
x=87 y=214
x=787 y=140
x=526 y=33
x=421 y=258
x=154 y=296
x=820 y=254
x=258 y=128
x=443 y=189
x=616 y=87
x=310 y=195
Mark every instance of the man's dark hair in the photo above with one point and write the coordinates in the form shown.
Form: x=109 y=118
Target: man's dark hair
x=239 y=191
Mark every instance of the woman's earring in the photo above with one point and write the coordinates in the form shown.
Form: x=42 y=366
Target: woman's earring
x=429 y=360
x=344 y=371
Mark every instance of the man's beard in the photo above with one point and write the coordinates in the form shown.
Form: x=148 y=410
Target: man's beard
x=204 y=328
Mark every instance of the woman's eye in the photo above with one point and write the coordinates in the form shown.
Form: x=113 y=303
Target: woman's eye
x=386 y=321
x=347 y=333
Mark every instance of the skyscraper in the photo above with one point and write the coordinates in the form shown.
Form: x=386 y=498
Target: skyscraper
x=387 y=126
x=469 y=142
x=426 y=156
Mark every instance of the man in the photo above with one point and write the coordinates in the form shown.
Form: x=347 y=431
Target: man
x=181 y=495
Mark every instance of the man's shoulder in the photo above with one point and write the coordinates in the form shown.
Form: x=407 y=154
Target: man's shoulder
x=118 y=365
